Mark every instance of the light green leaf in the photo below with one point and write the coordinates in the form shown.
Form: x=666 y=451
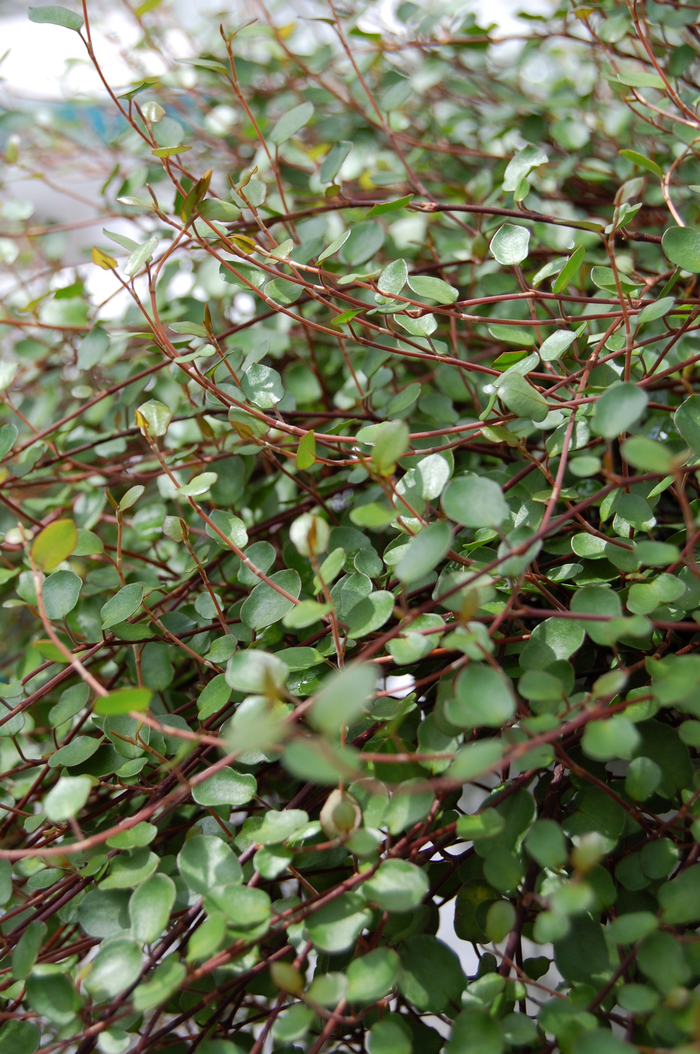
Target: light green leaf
x=61 y=591
x=206 y=863
x=54 y=544
x=57 y=16
x=149 y=907
x=393 y=278
x=618 y=409
x=510 y=244
x=433 y=288
x=372 y=976
x=332 y=162
x=164 y=980
x=122 y=605
x=424 y=552
x=115 y=967
x=140 y=256
x=482 y=697
x=291 y=122
x=397 y=885
x=556 y=344
x=682 y=247
x=67 y=798
x=335 y=926
x=226 y=787
x=343 y=697
x=474 y=501
x=521 y=398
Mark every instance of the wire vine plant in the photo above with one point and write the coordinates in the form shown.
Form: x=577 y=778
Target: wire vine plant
x=349 y=518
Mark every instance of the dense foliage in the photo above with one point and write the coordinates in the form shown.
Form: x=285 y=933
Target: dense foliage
x=350 y=500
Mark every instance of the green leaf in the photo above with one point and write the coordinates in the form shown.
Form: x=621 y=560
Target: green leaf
x=390 y=1035
x=74 y=753
x=61 y=591
x=206 y=863
x=570 y=270
x=510 y=244
x=57 y=16
x=343 y=697
x=306 y=451
x=70 y=703
x=93 y=347
x=500 y=920
x=334 y=246
x=680 y=898
x=618 y=409
x=647 y=455
x=130 y=868
x=389 y=206
x=600 y=1041
x=370 y=613
x=149 y=907
x=641 y=79
x=336 y=925
x=123 y=700
x=474 y=501
x=153 y=418
x=477 y=1031
x=642 y=778
x=165 y=980
x=256 y=671
x=316 y=759
x=247 y=910
x=390 y=443
x=54 y=544
x=226 y=787
x=522 y=164
x=27 y=950
x=424 y=552
x=474 y=759
x=556 y=344
x=279 y=826
x=393 y=278
x=687 y=421
x=140 y=256
x=372 y=976
x=545 y=843
x=431 y=975
x=170 y=151
x=641 y=161
x=266 y=605
x=551 y=640
x=216 y=209
x=433 y=289
x=54 y=997
x=397 y=885
x=19 y=1037
x=485 y=824
x=291 y=122
x=262 y=384
x=656 y=309
x=482 y=697
x=122 y=605
x=682 y=247
x=66 y=798
x=366 y=239
x=230 y=526
x=332 y=162
x=8 y=438
x=521 y=398
x=115 y=967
